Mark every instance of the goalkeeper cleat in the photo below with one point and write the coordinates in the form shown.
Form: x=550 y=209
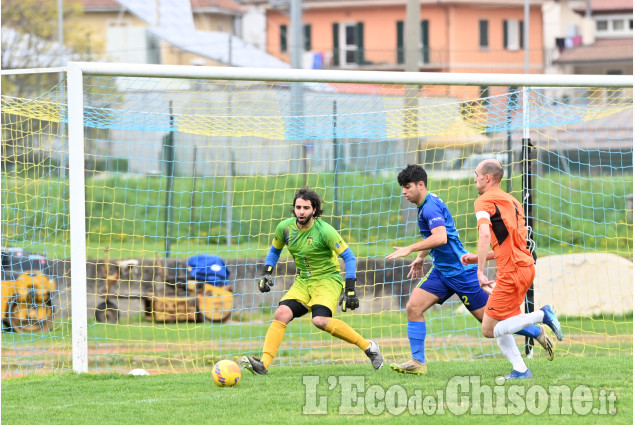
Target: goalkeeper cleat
x=551 y=320
x=519 y=375
x=253 y=364
x=412 y=366
x=374 y=355
x=546 y=343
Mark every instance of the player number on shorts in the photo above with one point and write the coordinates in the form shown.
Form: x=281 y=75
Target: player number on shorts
x=465 y=300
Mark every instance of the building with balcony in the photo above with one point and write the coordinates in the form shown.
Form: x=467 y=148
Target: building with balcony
x=456 y=35
x=589 y=37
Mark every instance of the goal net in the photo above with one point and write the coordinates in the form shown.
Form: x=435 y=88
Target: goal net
x=184 y=171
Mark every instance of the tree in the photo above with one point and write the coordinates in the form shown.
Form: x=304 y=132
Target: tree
x=30 y=40
x=32 y=33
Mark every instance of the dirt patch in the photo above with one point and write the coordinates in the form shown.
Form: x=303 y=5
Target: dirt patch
x=585 y=284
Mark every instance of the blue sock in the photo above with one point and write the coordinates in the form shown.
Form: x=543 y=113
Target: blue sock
x=532 y=331
x=417 y=337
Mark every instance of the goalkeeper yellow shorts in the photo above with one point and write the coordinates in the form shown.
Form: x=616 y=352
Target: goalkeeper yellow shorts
x=322 y=290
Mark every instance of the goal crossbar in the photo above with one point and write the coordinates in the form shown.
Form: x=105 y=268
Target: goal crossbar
x=359 y=77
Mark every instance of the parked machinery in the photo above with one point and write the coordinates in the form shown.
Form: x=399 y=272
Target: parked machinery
x=196 y=292
x=27 y=291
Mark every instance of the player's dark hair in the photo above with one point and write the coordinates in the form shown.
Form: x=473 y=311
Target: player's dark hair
x=412 y=174
x=308 y=195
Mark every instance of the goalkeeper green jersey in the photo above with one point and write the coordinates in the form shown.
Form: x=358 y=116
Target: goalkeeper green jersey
x=314 y=250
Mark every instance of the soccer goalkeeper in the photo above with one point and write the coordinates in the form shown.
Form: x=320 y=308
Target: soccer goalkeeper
x=448 y=274
x=314 y=246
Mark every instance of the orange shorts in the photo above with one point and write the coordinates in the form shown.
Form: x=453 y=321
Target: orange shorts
x=509 y=293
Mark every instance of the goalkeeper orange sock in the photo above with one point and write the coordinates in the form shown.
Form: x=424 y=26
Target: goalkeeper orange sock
x=341 y=330
x=273 y=339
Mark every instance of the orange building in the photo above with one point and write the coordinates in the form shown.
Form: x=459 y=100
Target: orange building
x=456 y=35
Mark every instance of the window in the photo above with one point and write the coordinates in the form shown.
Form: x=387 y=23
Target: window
x=400 y=43
x=483 y=33
x=284 y=41
x=307 y=37
x=513 y=34
x=283 y=38
x=614 y=26
x=424 y=45
x=425 y=41
x=348 y=43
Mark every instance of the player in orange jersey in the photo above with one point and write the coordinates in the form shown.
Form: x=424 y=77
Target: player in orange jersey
x=501 y=224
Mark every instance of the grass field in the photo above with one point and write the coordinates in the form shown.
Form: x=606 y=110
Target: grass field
x=193 y=347
x=286 y=392
x=127 y=213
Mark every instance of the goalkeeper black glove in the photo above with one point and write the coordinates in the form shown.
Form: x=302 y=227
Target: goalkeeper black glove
x=266 y=280
x=349 y=297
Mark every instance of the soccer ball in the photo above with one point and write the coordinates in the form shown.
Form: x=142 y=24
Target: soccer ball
x=226 y=373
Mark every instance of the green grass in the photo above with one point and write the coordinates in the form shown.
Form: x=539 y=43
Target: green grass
x=381 y=325
x=280 y=396
x=386 y=324
x=136 y=342
x=573 y=213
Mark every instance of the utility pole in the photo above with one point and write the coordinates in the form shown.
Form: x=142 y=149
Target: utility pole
x=413 y=35
x=60 y=27
x=297 y=98
x=412 y=29
x=412 y=55
x=60 y=41
x=297 y=37
x=526 y=36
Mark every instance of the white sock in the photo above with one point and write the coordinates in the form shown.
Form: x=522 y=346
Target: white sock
x=516 y=323
x=509 y=348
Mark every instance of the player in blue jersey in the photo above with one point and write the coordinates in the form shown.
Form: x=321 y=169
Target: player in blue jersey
x=448 y=275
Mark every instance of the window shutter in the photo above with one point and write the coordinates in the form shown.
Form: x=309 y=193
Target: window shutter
x=425 y=41
x=283 y=38
x=521 y=34
x=505 y=34
x=360 y=43
x=336 y=44
x=307 y=37
x=483 y=33
x=400 y=52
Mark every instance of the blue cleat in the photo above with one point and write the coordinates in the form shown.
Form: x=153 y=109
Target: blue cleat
x=518 y=375
x=551 y=320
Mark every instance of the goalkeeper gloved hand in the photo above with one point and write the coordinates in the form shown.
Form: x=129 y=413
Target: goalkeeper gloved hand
x=266 y=280
x=349 y=297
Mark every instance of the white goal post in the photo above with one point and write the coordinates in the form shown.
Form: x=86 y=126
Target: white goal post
x=76 y=71
x=402 y=86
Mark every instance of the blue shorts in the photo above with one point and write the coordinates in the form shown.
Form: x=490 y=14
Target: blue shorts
x=465 y=285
